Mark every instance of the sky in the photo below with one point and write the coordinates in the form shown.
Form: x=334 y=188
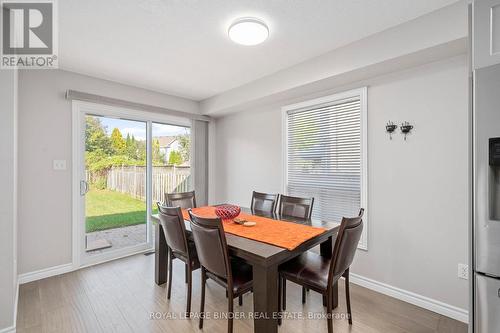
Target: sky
x=138 y=129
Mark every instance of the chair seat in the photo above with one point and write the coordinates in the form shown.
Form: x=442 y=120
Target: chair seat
x=242 y=277
x=309 y=269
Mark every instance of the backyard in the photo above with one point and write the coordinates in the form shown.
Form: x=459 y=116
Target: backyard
x=116 y=172
x=107 y=209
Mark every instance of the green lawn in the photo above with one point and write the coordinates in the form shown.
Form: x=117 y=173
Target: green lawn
x=108 y=209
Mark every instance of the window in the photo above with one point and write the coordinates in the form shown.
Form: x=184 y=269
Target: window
x=325 y=155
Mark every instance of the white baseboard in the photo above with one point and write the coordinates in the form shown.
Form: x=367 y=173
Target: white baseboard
x=66 y=268
x=11 y=329
x=412 y=298
x=45 y=273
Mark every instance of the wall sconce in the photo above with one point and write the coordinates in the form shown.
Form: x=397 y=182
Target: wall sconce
x=390 y=128
x=406 y=128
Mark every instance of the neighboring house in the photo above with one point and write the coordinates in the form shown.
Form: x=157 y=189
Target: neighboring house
x=168 y=144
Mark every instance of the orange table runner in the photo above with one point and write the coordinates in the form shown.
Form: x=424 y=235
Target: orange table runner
x=284 y=234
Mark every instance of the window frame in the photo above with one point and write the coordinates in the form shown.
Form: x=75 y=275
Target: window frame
x=360 y=93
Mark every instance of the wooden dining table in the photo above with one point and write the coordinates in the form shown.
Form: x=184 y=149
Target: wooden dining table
x=264 y=258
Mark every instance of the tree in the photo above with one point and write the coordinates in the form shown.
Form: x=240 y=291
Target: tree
x=95 y=136
x=131 y=146
x=141 y=150
x=175 y=158
x=158 y=156
x=117 y=141
x=185 y=147
x=103 y=151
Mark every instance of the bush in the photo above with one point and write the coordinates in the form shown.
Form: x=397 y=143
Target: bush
x=100 y=183
x=175 y=158
x=99 y=162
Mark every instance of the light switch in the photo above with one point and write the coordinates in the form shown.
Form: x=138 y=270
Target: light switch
x=59 y=165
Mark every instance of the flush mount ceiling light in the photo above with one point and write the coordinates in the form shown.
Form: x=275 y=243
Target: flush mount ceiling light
x=248 y=31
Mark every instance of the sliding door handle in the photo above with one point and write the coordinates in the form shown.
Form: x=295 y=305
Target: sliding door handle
x=84 y=187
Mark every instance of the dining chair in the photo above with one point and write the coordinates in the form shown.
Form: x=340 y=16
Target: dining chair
x=318 y=273
x=264 y=202
x=179 y=247
x=296 y=207
x=184 y=200
x=234 y=276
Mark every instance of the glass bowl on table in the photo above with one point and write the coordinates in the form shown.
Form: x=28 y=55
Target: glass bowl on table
x=227 y=212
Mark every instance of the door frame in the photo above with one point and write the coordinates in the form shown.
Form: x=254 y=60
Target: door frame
x=79 y=110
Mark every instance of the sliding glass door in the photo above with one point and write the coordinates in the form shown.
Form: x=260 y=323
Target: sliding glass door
x=125 y=162
x=115 y=176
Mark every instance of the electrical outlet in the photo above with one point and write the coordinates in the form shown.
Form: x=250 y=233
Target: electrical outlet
x=463 y=271
x=59 y=165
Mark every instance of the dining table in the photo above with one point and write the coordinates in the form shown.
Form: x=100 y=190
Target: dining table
x=264 y=259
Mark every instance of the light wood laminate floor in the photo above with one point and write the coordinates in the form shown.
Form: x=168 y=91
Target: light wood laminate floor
x=121 y=296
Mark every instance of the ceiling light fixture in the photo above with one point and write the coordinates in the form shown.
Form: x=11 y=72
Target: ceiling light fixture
x=248 y=31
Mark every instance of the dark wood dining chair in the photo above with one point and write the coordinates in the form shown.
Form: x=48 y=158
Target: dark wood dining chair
x=184 y=200
x=179 y=247
x=264 y=202
x=318 y=273
x=235 y=277
x=296 y=207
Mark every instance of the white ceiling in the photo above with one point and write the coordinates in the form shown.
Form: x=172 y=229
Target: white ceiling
x=181 y=46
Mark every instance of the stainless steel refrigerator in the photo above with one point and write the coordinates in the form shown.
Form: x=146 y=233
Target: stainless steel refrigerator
x=486 y=225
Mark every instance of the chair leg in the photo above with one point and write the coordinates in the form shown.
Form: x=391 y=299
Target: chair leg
x=230 y=301
x=202 y=300
x=170 y=262
x=240 y=300
x=189 y=288
x=348 y=297
x=280 y=297
x=284 y=294
x=303 y=295
x=186 y=273
x=329 y=320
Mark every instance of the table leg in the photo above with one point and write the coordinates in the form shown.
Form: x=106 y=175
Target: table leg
x=265 y=299
x=161 y=256
x=326 y=250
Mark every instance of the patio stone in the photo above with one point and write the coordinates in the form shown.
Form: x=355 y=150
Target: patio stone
x=118 y=237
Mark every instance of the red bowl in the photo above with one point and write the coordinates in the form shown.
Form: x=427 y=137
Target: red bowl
x=227 y=212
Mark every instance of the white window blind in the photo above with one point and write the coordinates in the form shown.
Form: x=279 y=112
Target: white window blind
x=324 y=155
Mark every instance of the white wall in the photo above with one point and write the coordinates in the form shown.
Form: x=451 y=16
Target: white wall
x=417 y=201
x=45 y=135
x=8 y=209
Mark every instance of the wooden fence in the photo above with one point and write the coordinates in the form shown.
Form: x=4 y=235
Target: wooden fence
x=132 y=180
